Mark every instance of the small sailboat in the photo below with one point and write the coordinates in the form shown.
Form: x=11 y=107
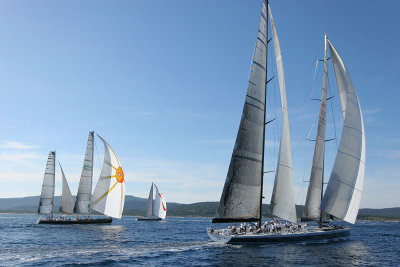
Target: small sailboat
x=241 y=199
x=156 y=209
x=108 y=197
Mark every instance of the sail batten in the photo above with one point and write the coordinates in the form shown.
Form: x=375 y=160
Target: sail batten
x=47 y=194
x=314 y=194
x=84 y=194
x=240 y=197
x=282 y=200
x=343 y=193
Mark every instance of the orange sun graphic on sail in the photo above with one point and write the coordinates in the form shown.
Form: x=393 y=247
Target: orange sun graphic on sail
x=119 y=175
x=111 y=184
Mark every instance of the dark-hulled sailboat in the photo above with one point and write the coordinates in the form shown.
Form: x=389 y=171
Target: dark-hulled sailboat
x=241 y=199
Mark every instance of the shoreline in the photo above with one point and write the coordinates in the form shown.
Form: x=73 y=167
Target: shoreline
x=365 y=219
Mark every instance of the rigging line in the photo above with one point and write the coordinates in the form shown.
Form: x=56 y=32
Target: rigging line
x=333 y=115
x=298 y=99
x=97 y=152
x=312 y=127
x=275 y=129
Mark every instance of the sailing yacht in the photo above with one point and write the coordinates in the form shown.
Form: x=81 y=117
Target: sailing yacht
x=241 y=199
x=156 y=209
x=108 y=197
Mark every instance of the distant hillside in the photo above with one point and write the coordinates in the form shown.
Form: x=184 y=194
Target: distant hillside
x=136 y=206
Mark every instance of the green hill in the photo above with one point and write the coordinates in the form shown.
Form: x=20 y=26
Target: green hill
x=136 y=206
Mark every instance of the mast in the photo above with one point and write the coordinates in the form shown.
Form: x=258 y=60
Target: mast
x=323 y=106
x=265 y=106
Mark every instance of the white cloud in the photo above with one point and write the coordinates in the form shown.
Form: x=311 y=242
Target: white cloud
x=19 y=157
x=16 y=145
x=391 y=153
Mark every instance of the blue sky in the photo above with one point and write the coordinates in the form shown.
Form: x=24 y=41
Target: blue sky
x=164 y=83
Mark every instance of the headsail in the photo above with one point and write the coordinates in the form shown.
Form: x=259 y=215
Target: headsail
x=282 y=201
x=47 y=195
x=343 y=193
x=240 y=199
x=149 y=206
x=160 y=205
x=67 y=202
x=85 y=183
x=109 y=194
x=314 y=194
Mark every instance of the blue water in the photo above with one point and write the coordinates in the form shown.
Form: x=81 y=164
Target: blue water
x=183 y=242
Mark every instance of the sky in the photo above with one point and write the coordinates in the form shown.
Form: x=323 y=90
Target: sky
x=164 y=83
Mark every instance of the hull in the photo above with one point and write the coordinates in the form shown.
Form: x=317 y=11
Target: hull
x=315 y=236
x=75 y=221
x=154 y=219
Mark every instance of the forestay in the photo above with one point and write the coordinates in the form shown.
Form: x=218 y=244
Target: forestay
x=47 y=194
x=240 y=199
x=85 y=184
x=343 y=193
x=314 y=194
x=282 y=201
x=109 y=194
x=67 y=202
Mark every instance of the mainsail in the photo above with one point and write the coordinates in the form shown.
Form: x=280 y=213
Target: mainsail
x=240 y=199
x=149 y=206
x=85 y=183
x=109 y=194
x=282 y=201
x=67 y=202
x=343 y=193
x=47 y=195
x=314 y=194
x=160 y=206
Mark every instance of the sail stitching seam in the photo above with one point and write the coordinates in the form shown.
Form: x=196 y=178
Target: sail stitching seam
x=247 y=158
x=351 y=156
x=258 y=64
x=255 y=99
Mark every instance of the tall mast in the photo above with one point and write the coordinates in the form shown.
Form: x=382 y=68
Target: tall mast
x=91 y=175
x=324 y=87
x=265 y=105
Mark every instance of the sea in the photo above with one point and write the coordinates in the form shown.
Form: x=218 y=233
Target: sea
x=181 y=242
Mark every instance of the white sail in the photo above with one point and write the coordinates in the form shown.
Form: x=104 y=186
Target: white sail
x=282 y=201
x=85 y=184
x=314 y=194
x=149 y=206
x=343 y=193
x=47 y=195
x=67 y=202
x=160 y=205
x=240 y=199
x=109 y=194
